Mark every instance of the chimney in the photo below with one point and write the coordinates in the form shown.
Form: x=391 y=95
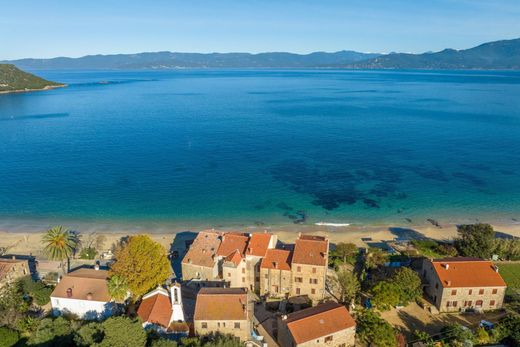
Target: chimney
x=284 y=317
x=14 y=257
x=69 y=292
x=89 y=296
x=495 y=268
x=275 y=264
x=299 y=234
x=446 y=266
x=448 y=283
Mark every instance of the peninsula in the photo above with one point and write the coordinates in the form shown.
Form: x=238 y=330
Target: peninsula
x=14 y=80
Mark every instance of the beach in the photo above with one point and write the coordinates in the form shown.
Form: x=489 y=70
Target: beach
x=28 y=242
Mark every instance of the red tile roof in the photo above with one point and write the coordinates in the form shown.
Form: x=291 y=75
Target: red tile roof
x=86 y=284
x=234 y=257
x=279 y=259
x=203 y=249
x=258 y=244
x=221 y=304
x=156 y=309
x=319 y=321
x=232 y=242
x=311 y=250
x=467 y=272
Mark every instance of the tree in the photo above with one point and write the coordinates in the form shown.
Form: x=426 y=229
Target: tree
x=375 y=258
x=386 y=295
x=475 y=240
x=39 y=292
x=118 y=288
x=162 y=342
x=143 y=263
x=346 y=251
x=52 y=332
x=348 y=284
x=219 y=340
x=508 y=249
x=89 y=334
x=508 y=329
x=8 y=337
x=60 y=244
x=423 y=337
x=456 y=334
x=122 y=332
x=375 y=331
x=409 y=284
x=13 y=307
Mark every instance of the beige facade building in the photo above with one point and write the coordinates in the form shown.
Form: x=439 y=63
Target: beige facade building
x=309 y=267
x=275 y=273
x=458 y=284
x=328 y=324
x=11 y=269
x=200 y=262
x=222 y=310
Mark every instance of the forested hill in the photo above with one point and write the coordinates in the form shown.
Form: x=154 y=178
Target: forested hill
x=13 y=79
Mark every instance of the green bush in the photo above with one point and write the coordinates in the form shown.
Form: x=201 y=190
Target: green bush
x=38 y=291
x=88 y=253
x=52 y=332
x=8 y=337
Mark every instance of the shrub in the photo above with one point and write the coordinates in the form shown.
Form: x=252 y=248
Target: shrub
x=88 y=253
x=8 y=337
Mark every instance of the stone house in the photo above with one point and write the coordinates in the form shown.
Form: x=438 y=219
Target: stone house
x=200 y=262
x=275 y=273
x=459 y=284
x=222 y=310
x=309 y=267
x=327 y=324
x=11 y=269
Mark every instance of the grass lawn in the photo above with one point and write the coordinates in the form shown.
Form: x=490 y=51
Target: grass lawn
x=511 y=274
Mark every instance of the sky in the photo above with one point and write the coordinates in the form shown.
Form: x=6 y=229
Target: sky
x=51 y=28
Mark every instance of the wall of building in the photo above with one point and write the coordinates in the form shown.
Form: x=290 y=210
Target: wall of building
x=269 y=278
x=315 y=290
x=192 y=271
x=224 y=327
x=85 y=309
x=236 y=276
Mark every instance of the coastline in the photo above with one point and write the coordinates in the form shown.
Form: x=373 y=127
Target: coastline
x=25 y=242
x=33 y=90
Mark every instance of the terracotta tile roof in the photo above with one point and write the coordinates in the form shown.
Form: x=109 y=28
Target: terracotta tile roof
x=232 y=242
x=203 y=249
x=156 y=309
x=311 y=250
x=277 y=259
x=258 y=244
x=319 y=321
x=221 y=304
x=84 y=283
x=234 y=257
x=467 y=272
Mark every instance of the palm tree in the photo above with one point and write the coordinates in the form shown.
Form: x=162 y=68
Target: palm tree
x=118 y=288
x=59 y=244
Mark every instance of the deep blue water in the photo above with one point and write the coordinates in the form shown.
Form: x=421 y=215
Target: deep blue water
x=243 y=147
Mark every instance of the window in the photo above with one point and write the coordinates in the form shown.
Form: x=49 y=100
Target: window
x=243 y=270
x=223 y=324
x=299 y=269
x=481 y=292
x=313 y=291
x=297 y=291
x=243 y=279
x=328 y=339
x=298 y=279
x=229 y=274
x=454 y=304
x=492 y=303
x=470 y=291
x=495 y=291
x=218 y=325
x=313 y=280
x=448 y=303
x=204 y=325
x=237 y=325
x=454 y=292
x=478 y=303
x=275 y=289
x=265 y=276
x=313 y=270
x=342 y=345
x=436 y=285
x=467 y=303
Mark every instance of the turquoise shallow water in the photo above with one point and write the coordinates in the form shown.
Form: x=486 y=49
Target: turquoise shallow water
x=270 y=146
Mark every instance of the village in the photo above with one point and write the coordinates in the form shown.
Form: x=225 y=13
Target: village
x=232 y=288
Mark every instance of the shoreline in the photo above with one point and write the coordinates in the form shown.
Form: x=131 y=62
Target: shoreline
x=33 y=90
x=24 y=242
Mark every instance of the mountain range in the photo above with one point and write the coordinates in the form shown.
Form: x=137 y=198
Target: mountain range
x=504 y=54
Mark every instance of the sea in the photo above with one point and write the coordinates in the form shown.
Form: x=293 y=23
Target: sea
x=237 y=148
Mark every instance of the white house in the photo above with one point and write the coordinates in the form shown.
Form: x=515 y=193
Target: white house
x=162 y=311
x=83 y=292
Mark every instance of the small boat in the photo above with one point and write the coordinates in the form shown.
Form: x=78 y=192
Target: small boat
x=332 y=224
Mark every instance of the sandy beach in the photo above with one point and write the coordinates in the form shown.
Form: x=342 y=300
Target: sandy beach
x=28 y=241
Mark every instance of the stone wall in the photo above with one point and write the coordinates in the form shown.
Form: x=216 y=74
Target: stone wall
x=224 y=327
x=308 y=280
